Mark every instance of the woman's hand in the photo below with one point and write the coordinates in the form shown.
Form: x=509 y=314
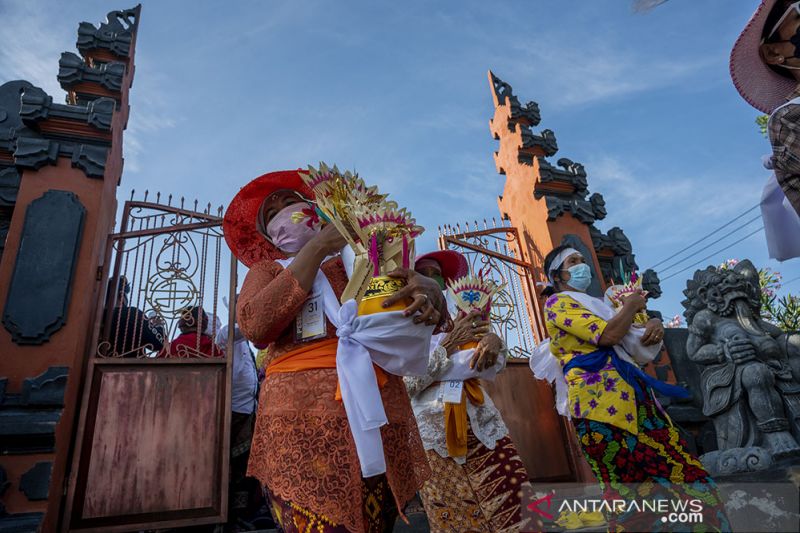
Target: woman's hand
x=466 y=328
x=635 y=301
x=653 y=332
x=329 y=240
x=428 y=298
x=486 y=353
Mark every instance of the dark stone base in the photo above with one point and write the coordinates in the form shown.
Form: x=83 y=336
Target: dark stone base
x=765 y=500
x=20 y=522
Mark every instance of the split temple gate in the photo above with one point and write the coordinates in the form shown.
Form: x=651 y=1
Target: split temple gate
x=92 y=426
x=542 y=206
x=62 y=434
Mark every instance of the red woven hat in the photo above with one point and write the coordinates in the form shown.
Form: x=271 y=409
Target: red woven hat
x=239 y=223
x=453 y=264
x=762 y=87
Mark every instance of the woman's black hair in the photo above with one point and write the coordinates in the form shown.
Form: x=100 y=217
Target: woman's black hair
x=549 y=271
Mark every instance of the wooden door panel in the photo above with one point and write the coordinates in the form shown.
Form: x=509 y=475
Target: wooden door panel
x=527 y=407
x=153 y=447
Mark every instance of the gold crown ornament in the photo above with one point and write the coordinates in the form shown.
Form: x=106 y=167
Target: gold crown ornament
x=380 y=233
x=473 y=293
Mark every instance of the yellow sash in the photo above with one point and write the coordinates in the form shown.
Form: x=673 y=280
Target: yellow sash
x=455 y=418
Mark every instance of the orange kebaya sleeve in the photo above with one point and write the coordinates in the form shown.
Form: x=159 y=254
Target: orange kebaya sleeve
x=269 y=300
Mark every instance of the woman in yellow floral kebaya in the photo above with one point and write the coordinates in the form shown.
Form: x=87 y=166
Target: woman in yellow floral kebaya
x=624 y=433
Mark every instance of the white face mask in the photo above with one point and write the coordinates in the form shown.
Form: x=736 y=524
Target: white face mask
x=285 y=234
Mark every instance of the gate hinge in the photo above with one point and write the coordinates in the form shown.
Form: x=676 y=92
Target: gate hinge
x=99 y=275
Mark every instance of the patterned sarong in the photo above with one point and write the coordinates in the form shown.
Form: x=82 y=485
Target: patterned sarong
x=482 y=495
x=380 y=512
x=656 y=458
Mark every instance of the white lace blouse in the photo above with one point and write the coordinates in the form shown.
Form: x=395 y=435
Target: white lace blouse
x=428 y=405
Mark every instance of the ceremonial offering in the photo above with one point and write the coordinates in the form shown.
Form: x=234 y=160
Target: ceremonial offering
x=616 y=295
x=380 y=233
x=473 y=293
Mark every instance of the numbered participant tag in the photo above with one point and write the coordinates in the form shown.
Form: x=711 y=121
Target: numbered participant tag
x=452 y=391
x=310 y=321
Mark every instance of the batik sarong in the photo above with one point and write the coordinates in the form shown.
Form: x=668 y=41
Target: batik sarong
x=482 y=495
x=379 y=510
x=657 y=461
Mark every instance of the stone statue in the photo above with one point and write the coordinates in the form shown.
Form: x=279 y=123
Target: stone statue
x=748 y=387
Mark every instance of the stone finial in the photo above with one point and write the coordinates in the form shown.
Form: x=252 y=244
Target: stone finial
x=116 y=34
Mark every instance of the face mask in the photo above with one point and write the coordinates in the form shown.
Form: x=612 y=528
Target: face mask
x=580 y=276
x=285 y=234
x=438 y=278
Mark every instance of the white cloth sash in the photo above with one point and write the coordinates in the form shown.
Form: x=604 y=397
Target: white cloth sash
x=545 y=365
x=390 y=340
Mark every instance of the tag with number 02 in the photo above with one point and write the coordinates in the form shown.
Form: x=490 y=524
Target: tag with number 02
x=311 y=320
x=452 y=391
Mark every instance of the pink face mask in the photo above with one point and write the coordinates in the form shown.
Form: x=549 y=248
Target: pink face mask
x=285 y=234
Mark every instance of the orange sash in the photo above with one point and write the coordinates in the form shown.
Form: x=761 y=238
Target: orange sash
x=314 y=356
x=455 y=418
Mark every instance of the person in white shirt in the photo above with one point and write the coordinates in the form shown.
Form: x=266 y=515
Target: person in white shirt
x=244 y=398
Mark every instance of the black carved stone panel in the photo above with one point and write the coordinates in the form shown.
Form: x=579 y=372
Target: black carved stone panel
x=116 y=34
x=41 y=283
x=35 y=483
x=47 y=388
x=28 y=419
x=20 y=522
x=574 y=241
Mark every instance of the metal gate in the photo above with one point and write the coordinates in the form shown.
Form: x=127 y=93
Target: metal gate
x=494 y=251
x=544 y=440
x=152 y=444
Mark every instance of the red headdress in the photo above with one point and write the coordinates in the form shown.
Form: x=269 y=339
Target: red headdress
x=240 y=222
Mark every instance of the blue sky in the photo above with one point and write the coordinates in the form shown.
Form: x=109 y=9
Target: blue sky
x=225 y=91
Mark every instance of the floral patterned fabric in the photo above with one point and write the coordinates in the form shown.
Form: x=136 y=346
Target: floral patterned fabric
x=302 y=447
x=602 y=396
x=427 y=401
x=656 y=459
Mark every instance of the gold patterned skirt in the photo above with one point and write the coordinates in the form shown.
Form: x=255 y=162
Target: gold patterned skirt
x=482 y=495
x=379 y=509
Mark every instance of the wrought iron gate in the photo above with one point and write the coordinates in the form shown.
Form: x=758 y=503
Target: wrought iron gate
x=494 y=251
x=153 y=437
x=544 y=441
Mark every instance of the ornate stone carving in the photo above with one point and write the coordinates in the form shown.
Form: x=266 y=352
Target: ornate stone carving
x=736 y=460
x=558 y=205
x=529 y=114
x=46 y=388
x=72 y=69
x=24 y=105
x=34 y=152
x=35 y=483
x=28 y=419
x=747 y=383
x=598 y=206
x=39 y=292
x=38 y=105
x=651 y=283
x=9 y=186
x=546 y=141
x=570 y=173
x=90 y=159
x=115 y=34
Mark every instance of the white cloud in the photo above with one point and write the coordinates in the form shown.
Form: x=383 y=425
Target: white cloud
x=32 y=42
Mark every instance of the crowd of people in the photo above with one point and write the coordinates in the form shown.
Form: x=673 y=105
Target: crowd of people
x=456 y=454
x=294 y=442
